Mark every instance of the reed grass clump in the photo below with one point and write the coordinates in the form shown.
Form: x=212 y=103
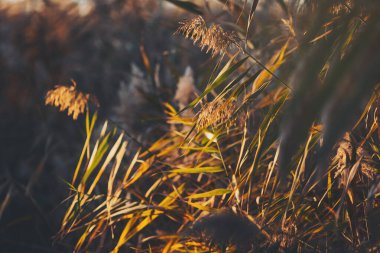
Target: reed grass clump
x=291 y=179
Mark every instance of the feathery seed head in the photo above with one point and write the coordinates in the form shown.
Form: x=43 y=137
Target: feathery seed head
x=194 y=29
x=217 y=40
x=216 y=112
x=214 y=38
x=68 y=98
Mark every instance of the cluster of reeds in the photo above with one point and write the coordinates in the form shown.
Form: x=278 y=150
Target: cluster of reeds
x=287 y=177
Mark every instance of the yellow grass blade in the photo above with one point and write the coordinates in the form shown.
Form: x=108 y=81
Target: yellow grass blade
x=126 y=235
x=211 y=193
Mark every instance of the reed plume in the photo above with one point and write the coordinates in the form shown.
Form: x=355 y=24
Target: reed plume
x=216 y=112
x=213 y=39
x=69 y=98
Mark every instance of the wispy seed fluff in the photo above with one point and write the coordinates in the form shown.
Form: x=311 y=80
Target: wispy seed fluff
x=216 y=112
x=212 y=39
x=68 y=98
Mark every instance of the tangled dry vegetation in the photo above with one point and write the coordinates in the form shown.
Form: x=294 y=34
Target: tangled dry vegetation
x=277 y=152
x=249 y=164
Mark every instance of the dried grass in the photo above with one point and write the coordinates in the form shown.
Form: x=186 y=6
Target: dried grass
x=186 y=180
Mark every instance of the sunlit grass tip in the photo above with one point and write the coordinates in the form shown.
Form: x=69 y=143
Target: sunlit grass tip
x=213 y=39
x=68 y=97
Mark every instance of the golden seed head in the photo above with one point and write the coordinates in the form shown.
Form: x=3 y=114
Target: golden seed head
x=214 y=39
x=194 y=29
x=216 y=112
x=67 y=97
